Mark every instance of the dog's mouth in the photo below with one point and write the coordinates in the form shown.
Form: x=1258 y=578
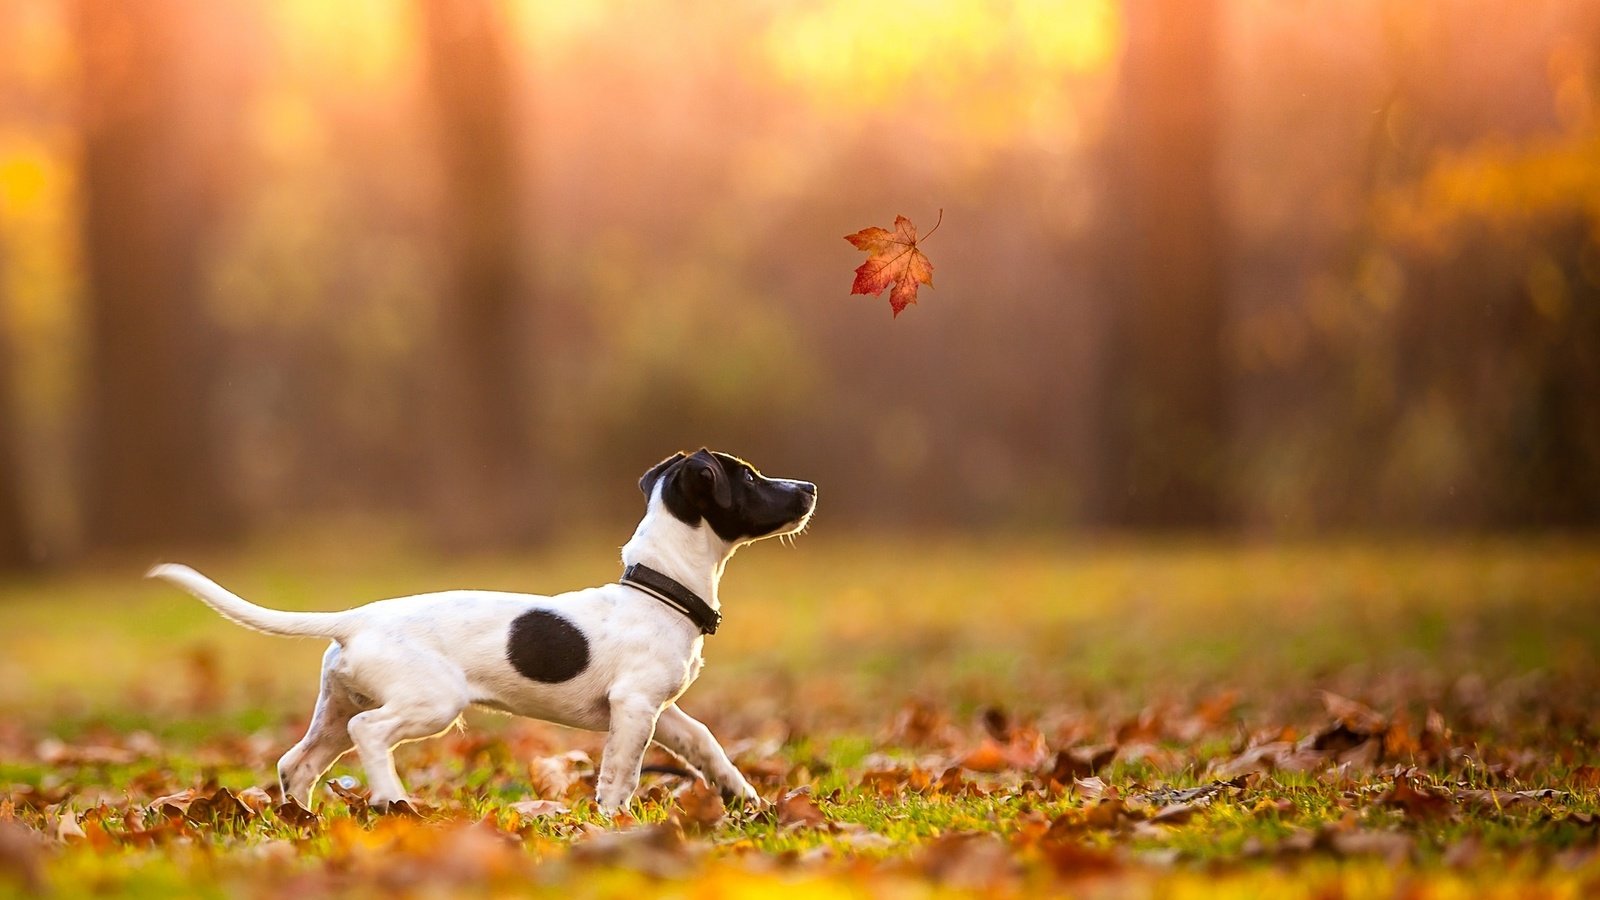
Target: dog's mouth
x=798 y=527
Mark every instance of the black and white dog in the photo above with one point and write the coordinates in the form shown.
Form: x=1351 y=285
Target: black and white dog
x=613 y=658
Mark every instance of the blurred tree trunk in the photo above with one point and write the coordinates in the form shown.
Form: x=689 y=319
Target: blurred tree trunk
x=1162 y=457
x=148 y=194
x=15 y=552
x=486 y=475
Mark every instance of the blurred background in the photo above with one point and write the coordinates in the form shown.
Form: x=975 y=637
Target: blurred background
x=464 y=268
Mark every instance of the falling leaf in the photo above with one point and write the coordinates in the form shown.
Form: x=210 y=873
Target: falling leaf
x=893 y=259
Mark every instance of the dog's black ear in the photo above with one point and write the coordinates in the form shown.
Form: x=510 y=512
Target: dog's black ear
x=710 y=478
x=648 y=481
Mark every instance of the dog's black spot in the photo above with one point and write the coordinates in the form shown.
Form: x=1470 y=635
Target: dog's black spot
x=737 y=501
x=546 y=647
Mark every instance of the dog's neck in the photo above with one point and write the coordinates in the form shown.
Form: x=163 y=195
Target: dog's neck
x=692 y=555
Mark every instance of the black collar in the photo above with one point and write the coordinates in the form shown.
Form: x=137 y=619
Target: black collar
x=674 y=595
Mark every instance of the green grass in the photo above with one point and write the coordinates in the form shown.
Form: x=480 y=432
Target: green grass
x=823 y=648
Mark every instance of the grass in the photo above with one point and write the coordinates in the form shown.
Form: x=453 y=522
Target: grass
x=830 y=656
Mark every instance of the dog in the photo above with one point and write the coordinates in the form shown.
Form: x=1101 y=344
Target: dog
x=614 y=658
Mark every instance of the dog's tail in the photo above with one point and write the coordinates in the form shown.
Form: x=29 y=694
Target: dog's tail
x=237 y=609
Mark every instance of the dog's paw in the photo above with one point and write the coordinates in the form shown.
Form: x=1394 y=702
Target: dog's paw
x=751 y=804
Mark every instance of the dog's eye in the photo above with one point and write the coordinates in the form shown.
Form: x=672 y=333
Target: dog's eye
x=749 y=477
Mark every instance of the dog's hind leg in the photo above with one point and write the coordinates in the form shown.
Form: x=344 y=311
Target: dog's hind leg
x=326 y=739
x=377 y=732
x=692 y=742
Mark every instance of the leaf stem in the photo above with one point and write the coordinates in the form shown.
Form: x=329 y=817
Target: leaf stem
x=934 y=228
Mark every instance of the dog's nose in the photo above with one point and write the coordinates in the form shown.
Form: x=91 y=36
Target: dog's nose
x=808 y=488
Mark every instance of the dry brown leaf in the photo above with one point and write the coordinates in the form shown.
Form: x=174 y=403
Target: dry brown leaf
x=1092 y=788
x=1071 y=858
x=178 y=802
x=353 y=798
x=296 y=815
x=67 y=828
x=655 y=850
x=1418 y=802
x=1080 y=762
x=556 y=777
x=221 y=808
x=698 y=807
x=1358 y=717
x=890 y=782
x=1393 y=846
x=539 y=809
x=969 y=860
x=988 y=756
x=797 y=809
x=921 y=724
x=21 y=857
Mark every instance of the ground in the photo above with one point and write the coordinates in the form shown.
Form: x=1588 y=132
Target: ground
x=927 y=716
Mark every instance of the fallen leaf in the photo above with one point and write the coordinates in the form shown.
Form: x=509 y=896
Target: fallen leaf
x=1072 y=858
x=1495 y=799
x=257 y=799
x=1417 y=802
x=539 y=809
x=1081 y=762
x=1090 y=788
x=970 y=860
x=68 y=829
x=797 y=809
x=989 y=756
x=1357 y=717
x=1393 y=846
x=296 y=815
x=890 y=782
x=698 y=808
x=655 y=850
x=893 y=259
x=222 y=807
x=21 y=857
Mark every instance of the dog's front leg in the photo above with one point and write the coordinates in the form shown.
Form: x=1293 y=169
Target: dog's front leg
x=692 y=742
x=633 y=722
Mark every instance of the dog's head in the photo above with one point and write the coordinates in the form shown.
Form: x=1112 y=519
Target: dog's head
x=727 y=493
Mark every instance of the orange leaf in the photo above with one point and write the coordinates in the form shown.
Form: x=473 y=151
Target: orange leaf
x=893 y=259
x=699 y=808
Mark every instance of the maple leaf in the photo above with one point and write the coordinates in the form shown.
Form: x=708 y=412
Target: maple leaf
x=894 y=259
